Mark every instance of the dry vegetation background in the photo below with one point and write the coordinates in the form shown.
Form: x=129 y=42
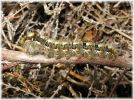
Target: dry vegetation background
x=108 y=22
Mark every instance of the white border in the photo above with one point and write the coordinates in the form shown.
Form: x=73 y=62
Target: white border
x=0 y=51
x=71 y=1
x=133 y=49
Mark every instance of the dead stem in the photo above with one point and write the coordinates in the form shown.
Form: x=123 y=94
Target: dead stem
x=17 y=56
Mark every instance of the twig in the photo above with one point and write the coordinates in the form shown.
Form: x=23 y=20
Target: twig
x=73 y=92
x=16 y=56
x=64 y=73
x=50 y=78
x=120 y=32
x=8 y=66
x=18 y=89
x=117 y=82
x=57 y=90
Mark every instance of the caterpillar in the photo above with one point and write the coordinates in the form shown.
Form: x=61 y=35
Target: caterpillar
x=59 y=48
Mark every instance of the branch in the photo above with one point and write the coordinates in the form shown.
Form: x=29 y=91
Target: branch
x=17 y=56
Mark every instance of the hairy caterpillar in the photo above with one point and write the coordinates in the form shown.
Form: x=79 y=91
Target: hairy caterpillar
x=58 y=48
